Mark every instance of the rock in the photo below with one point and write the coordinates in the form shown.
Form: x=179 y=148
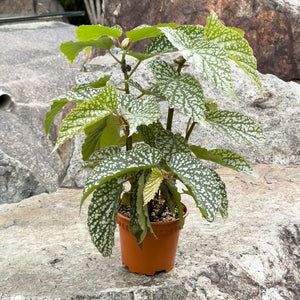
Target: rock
x=10 y=8
x=46 y=252
x=32 y=72
x=16 y=181
x=271 y=26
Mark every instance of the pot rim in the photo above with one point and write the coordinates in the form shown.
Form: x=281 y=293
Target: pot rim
x=161 y=223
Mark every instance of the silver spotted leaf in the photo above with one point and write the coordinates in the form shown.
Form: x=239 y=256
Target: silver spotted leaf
x=238 y=127
x=226 y=158
x=204 y=185
x=160 y=44
x=206 y=57
x=236 y=46
x=140 y=157
x=169 y=144
x=183 y=92
x=89 y=112
x=102 y=215
x=142 y=111
x=76 y=96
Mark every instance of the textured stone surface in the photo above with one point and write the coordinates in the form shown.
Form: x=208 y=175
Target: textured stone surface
x=16 y=181
x=45 y=249
x=32 y=72
x=271 y=26
x=10 y=8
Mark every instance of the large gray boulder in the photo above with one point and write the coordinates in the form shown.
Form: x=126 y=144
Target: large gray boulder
x=32 y=72
x=46 y=252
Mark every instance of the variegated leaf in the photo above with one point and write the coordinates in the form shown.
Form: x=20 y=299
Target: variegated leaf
x=138 y=111
x=93 y=32
x=236 y=125
x=183 y=92
x=140 y=157
x=206 y=187
x=169 y=144
x=88 y=113
x=71 y=96
x=102 y=215
x=101 y=154
x=152 y=185
x=226 y=158
x=150 y=132
x=160 y=44
x=206 y=57
x=162 y=71
x=195 y=33
x=237 y=48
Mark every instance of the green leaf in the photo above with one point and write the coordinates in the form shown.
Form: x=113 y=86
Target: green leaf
x=169 y=144
x=237 y=48
x=183 y=92
x=92 y=141
x=88 y=113
x=206 y=187
x=111 y=133
x=71 y=49
x=140 y=157
x=56 y=106
x=152 y=185
x=226 y=158
x=206 y=57
x=93 y=32
x=143 y=111
x=146 y=31
x=139 y=218
x=102 y=216
x=236 y=125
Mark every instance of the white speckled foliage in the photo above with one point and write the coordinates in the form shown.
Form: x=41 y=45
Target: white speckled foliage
x=207 y=58
x=238 y=127
x=102 y=215
x=88 y=113
x=140 y=157
x=138 y=111
x=206 y=187
x=183 y=92
x=125 y=141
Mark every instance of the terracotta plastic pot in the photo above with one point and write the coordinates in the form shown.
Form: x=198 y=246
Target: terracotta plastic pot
x=156 y=254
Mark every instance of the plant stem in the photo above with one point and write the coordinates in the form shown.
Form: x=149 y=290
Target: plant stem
x=170 y=118
x=114 y=57
x=189 y=131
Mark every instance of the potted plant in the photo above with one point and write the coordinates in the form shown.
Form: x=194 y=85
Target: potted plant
x=126 y=141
